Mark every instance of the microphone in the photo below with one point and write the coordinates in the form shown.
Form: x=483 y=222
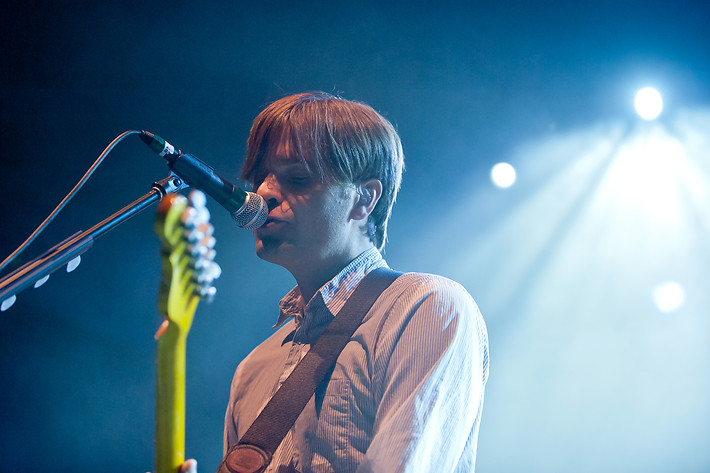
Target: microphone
x=248 y=209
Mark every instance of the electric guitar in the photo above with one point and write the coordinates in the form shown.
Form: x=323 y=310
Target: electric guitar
x=188 y=272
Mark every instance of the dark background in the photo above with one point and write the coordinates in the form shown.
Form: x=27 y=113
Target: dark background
x=586 y=375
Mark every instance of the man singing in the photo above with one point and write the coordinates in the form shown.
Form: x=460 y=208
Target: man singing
x=406 y=392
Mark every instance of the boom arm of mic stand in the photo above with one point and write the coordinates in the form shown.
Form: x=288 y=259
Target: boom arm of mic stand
x=79 y=243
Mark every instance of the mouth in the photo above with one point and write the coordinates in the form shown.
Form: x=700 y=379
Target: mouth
x=271 y=223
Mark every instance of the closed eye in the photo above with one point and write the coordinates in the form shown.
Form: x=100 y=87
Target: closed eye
x=300 y=180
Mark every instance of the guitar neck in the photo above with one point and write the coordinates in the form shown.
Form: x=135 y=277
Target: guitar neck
x=188 y=272
x=170 y=391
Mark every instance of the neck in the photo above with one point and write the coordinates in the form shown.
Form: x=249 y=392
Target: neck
x=312 y=278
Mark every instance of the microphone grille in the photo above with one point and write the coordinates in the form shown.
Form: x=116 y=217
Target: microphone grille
x=253 y=213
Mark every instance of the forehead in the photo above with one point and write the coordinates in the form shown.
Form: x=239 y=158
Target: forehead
x=285 y=145
x=281 y=151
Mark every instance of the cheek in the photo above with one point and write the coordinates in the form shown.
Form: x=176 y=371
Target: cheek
x=336 y=215
x=299 y=206
x=322 y=213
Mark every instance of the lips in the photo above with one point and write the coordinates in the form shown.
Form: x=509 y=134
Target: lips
x=271 y=224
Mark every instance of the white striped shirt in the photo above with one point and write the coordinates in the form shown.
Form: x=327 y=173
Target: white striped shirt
x=406 y=393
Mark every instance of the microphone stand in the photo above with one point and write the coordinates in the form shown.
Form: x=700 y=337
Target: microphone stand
x=68 y=251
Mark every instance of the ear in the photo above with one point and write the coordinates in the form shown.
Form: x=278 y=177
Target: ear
x=369 y=193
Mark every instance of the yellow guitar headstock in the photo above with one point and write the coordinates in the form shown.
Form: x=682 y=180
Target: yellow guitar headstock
x=189 y=269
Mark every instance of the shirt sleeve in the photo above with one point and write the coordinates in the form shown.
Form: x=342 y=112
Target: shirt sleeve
x=429 y=373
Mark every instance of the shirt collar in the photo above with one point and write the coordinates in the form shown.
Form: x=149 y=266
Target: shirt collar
x=334 y=293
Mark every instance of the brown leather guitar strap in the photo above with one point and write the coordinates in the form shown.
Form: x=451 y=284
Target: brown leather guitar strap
x=254 y=451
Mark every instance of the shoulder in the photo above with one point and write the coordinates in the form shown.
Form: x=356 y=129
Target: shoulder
x=423 y=319
x=431 y=289
x=430 y=302
x=432 y=282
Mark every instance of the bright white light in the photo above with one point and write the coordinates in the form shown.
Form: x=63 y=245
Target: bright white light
x=503 y=175
x=646 y=177
x=649 y=103
x=668 y=296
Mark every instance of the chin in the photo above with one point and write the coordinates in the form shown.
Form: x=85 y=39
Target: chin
x=272 y=251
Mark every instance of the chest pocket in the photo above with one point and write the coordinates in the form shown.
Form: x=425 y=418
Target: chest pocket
x=333 y=409
x=335 y=432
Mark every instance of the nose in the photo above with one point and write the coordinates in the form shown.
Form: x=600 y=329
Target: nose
x=269 y=189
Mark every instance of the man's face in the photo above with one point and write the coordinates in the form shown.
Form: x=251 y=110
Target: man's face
x=309 y=222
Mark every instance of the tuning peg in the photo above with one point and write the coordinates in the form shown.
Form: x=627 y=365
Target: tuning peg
x=193 y=234
x=207 y=272
x=188 y=217
x=197 y=233
x=207 y=293
x=197 y=198
x=206 y=227
x=208 y=241
x=213 y=271
x=198 y=253
x=209 y=254
x=194 y=216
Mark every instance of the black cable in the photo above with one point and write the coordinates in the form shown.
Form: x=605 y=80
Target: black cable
x=66 y=199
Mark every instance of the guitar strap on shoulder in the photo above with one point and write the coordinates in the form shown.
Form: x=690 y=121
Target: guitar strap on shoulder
x=254 y=451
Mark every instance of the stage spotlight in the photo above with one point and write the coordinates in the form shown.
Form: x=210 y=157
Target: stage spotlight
x=648 y=103
x=503 y=175
x=668 y=296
